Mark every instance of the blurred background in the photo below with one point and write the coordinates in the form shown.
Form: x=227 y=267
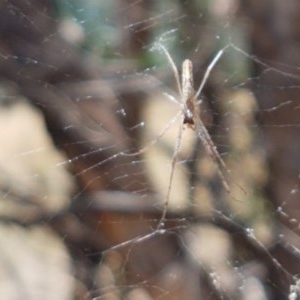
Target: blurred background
x=88 y=133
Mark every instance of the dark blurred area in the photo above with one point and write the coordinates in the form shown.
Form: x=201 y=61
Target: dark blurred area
x=78 y=215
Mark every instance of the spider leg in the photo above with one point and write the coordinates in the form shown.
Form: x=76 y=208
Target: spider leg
x=172 y=98
x=154 y=141
x=211 y=150
x=208 y=70
x=173 y=164
x=174 y=68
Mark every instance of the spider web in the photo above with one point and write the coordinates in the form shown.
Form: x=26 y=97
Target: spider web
x=89 y=128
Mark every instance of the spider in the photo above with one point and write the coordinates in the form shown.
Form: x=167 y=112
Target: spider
x=190 y=118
